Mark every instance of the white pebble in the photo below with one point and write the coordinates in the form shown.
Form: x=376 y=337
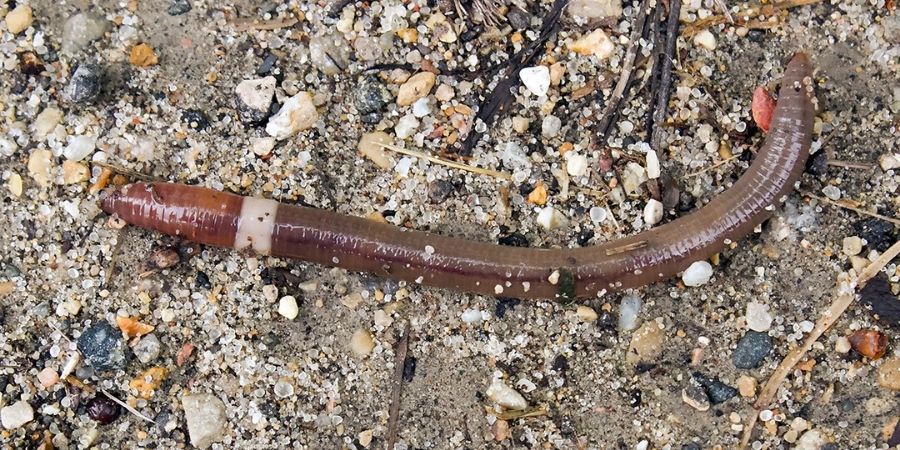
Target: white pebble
x=288 y=308
x=361 y=344
x=421 y=108
x=832 y=192
x=889 y=161
x=653 y=212
x=406 y=126
x=758 y=317
x=598 y=214
x=7 y=146
x=16 y=415
x=298 y=113
x=536 y=79
x=402 y=167
x=852 y=245
x=257 y=94
x=705 y=39
x=262 y=146
x=471 y=316
x=629 y=310
x=697 y=274
x=550 y=126
x=653 y=169
x=576 y=164
x=205 y=417
x=550 y=218
x=506 y=396
x=80 y=147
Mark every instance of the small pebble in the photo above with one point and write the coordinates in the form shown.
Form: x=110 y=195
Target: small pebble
x=550 y=126
x=595 y=9
x=39 y=166
x=82 y=29
x=586 y=313
x=520 y=124
x=80 y=147
x=440 y=190
x=103 y=347
x=549 y=218
x=262 y=146
x=758 y=317
x=832 y=192
x=629 y=312
x=416 y=87
x=705 y=39
x=371 y=96
x=506 y=396
x=86 y=83
x=205 y=417
x=361 y=343
x=536 y=79
x=19 y=19
x=288 y=308
x=15 y=415
x=811 y=440
x=255 y=99
x=370 y=146
x=421 y=107
x=576 y=164
x=598 y=214
x=283 y=389
x=46 y=122
x=330 y=53
x=877 y=233
x=471 y=316
x=595 y=43
x=406 y=126
x=869 y=343
x=143 y=55
x=751 y=350
x=298 y=113
x=48 y=377
x=695 y=397
x=697 y=274
x=632 y=177
x=653 y=212
x=717 y=391
x=747 y=386
x=646 y=344
x=8 y=147
x=147 y=349
x=103 y=409
x=842 y=345
x=653 y=169
x=889 y=161
x=852 y=245
x=75 y=172
x=179 y=7
x=14 y=184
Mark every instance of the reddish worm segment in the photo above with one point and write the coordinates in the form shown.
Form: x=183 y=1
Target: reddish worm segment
x=267 y=227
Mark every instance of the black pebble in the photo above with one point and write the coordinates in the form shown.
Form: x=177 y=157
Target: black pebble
x=103 y=347
x=686 y=202
x=86 y=83
x=370 y=96
x=179 y=7
x=817 y=164
x=513 y=240
x=751 y=350
x=585 y=236
x=518 y=18
x=195 y=119
x=440 y=190
x=877 y=233
x=202 y=281
x=267 y=65
x=504 y=304
x=409 y=368
x=717 y=391
x=103 y=409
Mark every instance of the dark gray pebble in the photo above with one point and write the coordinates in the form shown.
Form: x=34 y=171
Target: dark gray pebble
x=879 y=234
x=751 y=350
x=86 y=83
x=179 y=7
x=371 y=96
x=717 y=391
x=103 y=347
x=440 y=190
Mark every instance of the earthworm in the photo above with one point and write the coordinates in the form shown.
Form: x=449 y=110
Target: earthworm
x=267 y=227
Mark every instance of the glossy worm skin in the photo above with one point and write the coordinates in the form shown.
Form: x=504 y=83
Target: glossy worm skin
x=267 y=227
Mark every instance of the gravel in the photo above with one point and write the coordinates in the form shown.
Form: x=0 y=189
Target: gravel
x=751 y=350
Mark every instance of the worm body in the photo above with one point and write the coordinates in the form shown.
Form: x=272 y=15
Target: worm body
x=268 y=227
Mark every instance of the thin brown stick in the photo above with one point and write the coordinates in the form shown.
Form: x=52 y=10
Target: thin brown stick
x=718 y=164
x=851 y=208
x=397 y=389
x=446 y=162
x=242 y=25
x=845 y=297
x=601 y=129
x=666 y=61
x=851 y=164
x=747 y=15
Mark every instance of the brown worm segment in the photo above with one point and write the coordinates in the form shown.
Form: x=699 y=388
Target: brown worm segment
x=271 y=228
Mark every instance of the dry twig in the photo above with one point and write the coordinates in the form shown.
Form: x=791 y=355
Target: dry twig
x=851 y=208
x=396 y=390
x=448 y=163
x=665 y=61
x=747 y=16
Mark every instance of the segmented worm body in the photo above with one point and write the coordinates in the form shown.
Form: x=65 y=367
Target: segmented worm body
x=271 y=228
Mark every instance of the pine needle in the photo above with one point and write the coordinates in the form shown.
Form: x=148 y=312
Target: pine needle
x=851 y=208
x=718 y=164
x=446 y=162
